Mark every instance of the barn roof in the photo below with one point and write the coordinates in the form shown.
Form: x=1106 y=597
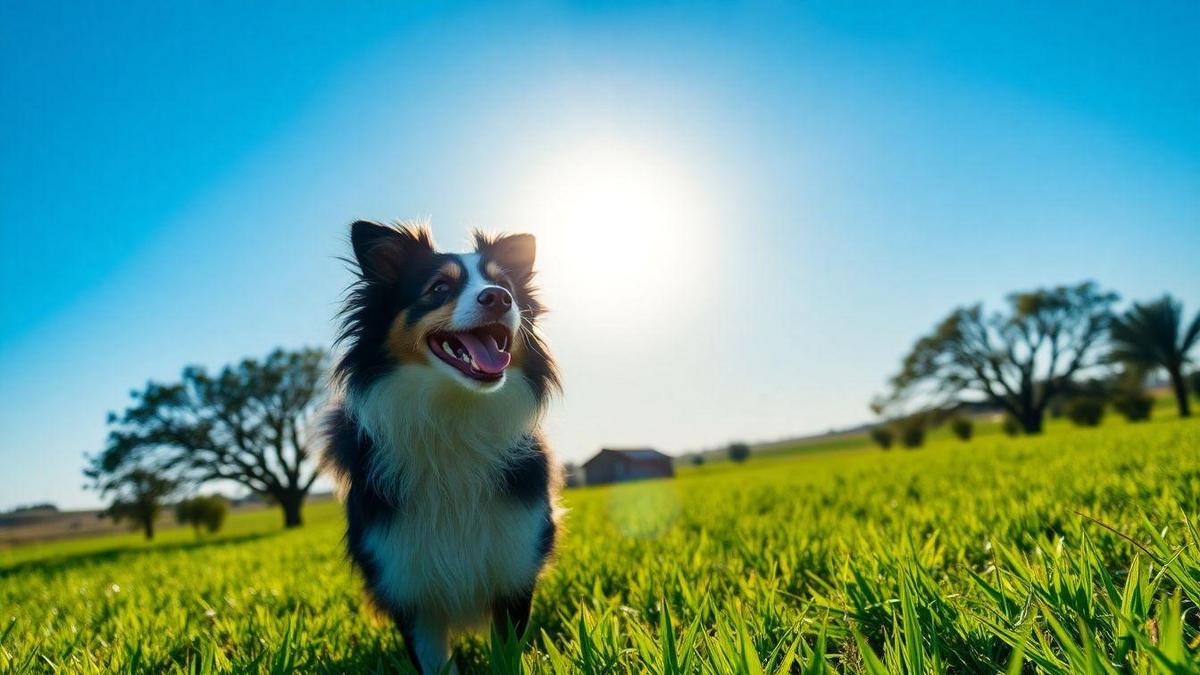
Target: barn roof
x=638 y=454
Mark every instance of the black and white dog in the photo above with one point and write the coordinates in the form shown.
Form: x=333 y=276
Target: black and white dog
x=450 y=491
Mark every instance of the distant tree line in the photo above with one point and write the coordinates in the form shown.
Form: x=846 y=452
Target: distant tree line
x=1058 y=351
x=251 y=424
x=47 y=507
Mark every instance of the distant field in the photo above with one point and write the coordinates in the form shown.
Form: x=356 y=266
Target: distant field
x=57 y=526
x=31 y=528
x=1076 y=551
x=985 y=426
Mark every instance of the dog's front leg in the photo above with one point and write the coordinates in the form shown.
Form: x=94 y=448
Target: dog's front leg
x=427 y=641
x=512 y=610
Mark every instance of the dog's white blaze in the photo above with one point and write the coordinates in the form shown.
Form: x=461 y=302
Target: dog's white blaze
x=440 y=449
x=467 y=313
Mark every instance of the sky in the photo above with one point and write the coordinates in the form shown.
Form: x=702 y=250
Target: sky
x=746 y=213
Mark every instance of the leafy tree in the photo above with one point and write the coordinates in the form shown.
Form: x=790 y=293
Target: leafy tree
x=207 y=513
x=1085 y=411
x=739 y=452
x=698 y=459
x=251 y=423
x=137 y=493
x=882 y=436
x=962 y=427
x=1153 y=335
x=1018 y=360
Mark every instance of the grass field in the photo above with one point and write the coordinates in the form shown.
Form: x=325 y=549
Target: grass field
x=1076 y=551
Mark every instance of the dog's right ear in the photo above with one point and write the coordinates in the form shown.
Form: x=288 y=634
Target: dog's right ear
x=382 y=250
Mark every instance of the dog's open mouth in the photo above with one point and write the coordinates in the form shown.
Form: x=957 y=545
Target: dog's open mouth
x=481 y=353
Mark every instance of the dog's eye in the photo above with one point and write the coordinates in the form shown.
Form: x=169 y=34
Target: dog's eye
x=439 y=288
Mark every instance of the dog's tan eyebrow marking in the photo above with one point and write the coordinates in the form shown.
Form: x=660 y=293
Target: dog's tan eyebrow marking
x=451 y=270
x=494 y=271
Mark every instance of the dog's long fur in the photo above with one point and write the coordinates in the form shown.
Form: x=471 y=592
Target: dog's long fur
x=449 y=487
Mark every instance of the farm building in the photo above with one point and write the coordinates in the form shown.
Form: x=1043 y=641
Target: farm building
x=615 y=466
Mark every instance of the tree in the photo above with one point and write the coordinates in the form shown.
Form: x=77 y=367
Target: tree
x=1152 y=335
x=1018 y=360
x=207 y=513
x=698 y=459
x=739 y=452
x=1194 y=381
x=250 y=423
x=137 y=492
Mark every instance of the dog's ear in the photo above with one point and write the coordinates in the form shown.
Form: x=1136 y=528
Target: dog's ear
x=515 y=253
x=382 y=251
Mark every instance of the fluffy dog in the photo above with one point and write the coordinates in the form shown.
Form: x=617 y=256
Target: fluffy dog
x=449 y=488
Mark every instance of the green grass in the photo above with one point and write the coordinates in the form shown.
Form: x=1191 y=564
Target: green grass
x=1072 y=552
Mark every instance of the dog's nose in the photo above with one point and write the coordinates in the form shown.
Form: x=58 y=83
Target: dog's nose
x=495 y=300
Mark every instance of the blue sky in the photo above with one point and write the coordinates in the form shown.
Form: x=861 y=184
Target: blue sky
x=747 y=212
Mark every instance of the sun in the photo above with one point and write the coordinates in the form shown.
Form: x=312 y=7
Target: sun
x=619 y=226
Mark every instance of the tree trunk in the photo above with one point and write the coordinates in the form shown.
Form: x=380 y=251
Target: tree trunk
x=148 y=528
x=292 y=516
x=1181 y=392
x=1031 y=421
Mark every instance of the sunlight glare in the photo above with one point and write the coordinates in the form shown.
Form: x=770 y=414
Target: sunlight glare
x=618 y=226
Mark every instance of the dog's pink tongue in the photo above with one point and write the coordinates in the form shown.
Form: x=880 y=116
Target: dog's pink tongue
x=485 y=353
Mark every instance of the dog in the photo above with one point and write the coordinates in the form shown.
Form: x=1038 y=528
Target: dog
x=449 y=488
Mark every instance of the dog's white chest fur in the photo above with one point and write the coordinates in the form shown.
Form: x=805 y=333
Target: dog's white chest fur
x=456 y=542
x=439 y=556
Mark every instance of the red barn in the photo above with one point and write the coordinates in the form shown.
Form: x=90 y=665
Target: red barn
x=615 y=466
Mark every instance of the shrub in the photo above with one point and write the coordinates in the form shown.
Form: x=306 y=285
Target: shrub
x=1135 y=406
x=697 y=459
x=1011 y=426
x=911 y=430
x=882 y=437
x=207 y=513
x=912 y=435
x=962 y=427
x=739 y=452
x=1085 y=411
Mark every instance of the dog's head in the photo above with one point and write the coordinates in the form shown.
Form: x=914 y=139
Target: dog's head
x=468 y=317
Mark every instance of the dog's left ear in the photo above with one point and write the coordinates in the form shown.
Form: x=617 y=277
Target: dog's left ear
x=515 y=253
x=382 y=251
